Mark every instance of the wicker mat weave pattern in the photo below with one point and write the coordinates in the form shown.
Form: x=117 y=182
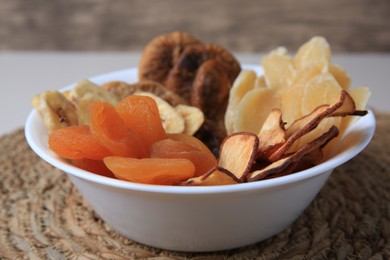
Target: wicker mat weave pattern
x=43 y=216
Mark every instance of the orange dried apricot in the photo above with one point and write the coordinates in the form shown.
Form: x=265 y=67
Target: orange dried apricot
x=141 y=114
x=150 y=170
x=191 y=140
x=76 y=142
x=110 y=130
x=169 y=148
x=94 y=166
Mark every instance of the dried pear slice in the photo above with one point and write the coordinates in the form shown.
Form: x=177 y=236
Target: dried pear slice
x=238 y=152
x=283 y=163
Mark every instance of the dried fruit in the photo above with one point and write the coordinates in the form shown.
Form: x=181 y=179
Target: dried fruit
x=141 y=115
x=169 y=148
x=172 y=121
x=122 y=90
x=253 y=110
x=283 y=163
x=238 y=153
x=184 y=71
x=159 y=54
x=279 y=70
x=94 y=166
x=193 y=118
x=84 y=94
x=111 y=131
x=76 y=142
x=245 y=82
x=212 y=178
x=191 y=140
x=272 y=134
x=210 y=90
x=150 y=170
x=57 y=111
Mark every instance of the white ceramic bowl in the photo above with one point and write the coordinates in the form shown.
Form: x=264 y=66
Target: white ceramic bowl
x=200 y=218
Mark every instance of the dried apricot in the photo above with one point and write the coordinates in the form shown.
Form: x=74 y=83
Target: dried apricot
x=94 y=166
x=169 y=148
x=141 y=115
x=110 y=130
x=150 y=170
x=76 y=142
x=191 y=140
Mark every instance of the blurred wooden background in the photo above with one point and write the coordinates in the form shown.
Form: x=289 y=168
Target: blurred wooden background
x=249 y=25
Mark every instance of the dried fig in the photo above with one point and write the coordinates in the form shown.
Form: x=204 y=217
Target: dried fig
x=159 y=55
x=182 y=75
x=210 y=90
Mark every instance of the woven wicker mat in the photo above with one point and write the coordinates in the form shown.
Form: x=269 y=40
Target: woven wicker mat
x=43 y=216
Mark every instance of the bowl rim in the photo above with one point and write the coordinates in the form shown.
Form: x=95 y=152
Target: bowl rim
x=365 y=125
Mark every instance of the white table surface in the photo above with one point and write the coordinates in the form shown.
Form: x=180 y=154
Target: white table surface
x=24 y=74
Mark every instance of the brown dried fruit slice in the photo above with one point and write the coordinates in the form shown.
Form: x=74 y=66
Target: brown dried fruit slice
x=212 y=178
x=238 y=152
x=344 y=106
x=360 y=96
x=283 y=163
x=182 y=75
x=210 y=90
x=272 y=134
x=159 y=54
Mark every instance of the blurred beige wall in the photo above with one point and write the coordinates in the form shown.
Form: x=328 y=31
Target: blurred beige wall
x=119 y=25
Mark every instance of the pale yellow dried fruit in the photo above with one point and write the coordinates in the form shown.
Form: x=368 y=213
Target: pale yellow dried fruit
x=290 y=97
x=278 y=68
x=254 y=109
x=260 y=82
x=316 y=52
x=193 y=118
x=84 y=94
x=56 y=110
x=243 y=83
x=340 y=75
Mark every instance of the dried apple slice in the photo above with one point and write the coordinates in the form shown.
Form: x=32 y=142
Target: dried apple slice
x=254 y=109
x=212 y=178
x=314 y=52
x=340 y=75
x=238 y=152
x=272 y=134
x=278 y=68
x=291 y=97
x=322 y=89
x=243 y=83
x=283 y=163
